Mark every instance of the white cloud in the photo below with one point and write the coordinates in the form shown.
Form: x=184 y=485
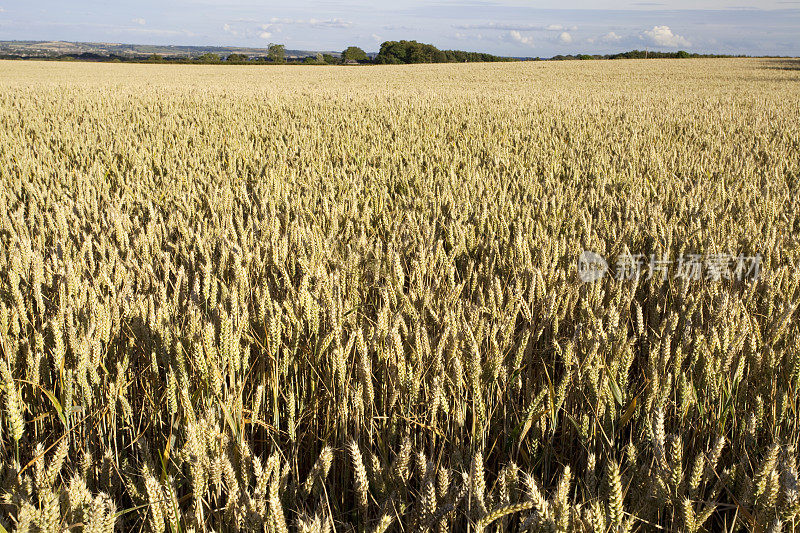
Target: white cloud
x=330 y=23
x=2 y=10
x=276 y=24
x=376 y=37
x=314 y=23
x=663 y=36
x=461 y=36
x=139 y=21
x=517 y=37
x=611 y=37
x=565 y=38
x=497 y=26
x=560 y=27
x=161 y=33
x=504 y=26
x=248 y=31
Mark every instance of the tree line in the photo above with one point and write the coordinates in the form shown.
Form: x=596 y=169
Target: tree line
x=391 y=53
x=639 y=54
x=409 y=52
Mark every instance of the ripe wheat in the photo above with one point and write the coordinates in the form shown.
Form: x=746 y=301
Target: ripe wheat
x=348 y=299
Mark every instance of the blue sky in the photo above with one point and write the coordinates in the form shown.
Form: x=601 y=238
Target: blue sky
x=507 y=27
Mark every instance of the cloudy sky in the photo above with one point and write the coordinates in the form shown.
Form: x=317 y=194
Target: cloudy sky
x=506 y=27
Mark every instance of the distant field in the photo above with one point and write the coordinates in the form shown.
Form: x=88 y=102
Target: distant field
x=305 y=298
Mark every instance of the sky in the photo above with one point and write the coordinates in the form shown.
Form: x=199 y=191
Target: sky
x=529 y=28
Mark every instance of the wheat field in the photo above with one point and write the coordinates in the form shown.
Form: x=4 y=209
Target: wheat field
x=349 y=299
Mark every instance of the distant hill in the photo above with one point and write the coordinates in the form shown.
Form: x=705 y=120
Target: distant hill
x=64 y=48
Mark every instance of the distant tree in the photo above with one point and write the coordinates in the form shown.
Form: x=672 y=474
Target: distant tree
x=398 y=52
x=329 y=59
x=155 y=58
x=208 y=58
x=439 y=56
x=395 y=52
x=354 y=53
x=276 y=53
x=683 y=54
x=237 y=58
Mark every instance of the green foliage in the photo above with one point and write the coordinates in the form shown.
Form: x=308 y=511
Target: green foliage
x=237 y=58
x=396 y=52
x=405 y=52
x=637 y=54
x=208 y=58
x=459 y=56
x=354 y=53
x=276 y=53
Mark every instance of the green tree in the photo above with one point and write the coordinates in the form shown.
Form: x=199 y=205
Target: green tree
x=237 y=58
x=276 y=53
x=395 y=52
x=208 y=58
x=354 y=53
x=683 y=54
x=329 y=59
